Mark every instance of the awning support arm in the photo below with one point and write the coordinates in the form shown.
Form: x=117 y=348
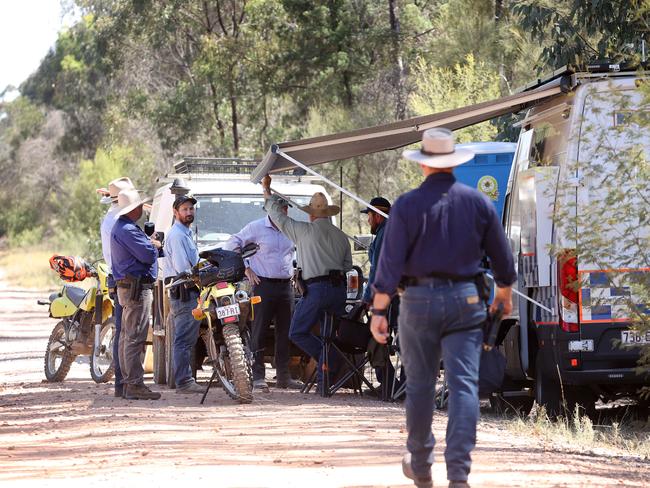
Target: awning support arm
x=276 y=150
x=517 y=292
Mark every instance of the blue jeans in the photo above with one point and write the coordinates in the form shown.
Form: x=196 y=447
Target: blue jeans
x=321 y=297
x=441 y=318
x=186 y=332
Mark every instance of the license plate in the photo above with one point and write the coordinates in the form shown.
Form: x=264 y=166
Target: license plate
x=585 y=345
x=633 y=337
x=228 y=311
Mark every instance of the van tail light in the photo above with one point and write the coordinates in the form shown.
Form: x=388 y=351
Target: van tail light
x=568 y=280
x=353 y=282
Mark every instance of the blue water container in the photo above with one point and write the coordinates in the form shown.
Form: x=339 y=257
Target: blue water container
x=488 y=171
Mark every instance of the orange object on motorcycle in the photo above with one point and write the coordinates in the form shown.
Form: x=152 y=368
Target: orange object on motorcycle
x=197 y=313
x=70 y=268
x=256 y=299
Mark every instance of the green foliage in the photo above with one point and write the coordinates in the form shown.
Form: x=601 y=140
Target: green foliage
x=440 y=89
x=580 y=31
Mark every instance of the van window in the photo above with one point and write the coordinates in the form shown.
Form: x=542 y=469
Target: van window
x=550 y=140
x=220 y=216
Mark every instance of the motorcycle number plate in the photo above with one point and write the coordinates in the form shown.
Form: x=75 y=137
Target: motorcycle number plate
x=228 y=311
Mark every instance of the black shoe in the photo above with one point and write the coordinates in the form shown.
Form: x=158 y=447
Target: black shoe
x=458 y=484
x=119 y=391
x=419 y=481
x=140 y=392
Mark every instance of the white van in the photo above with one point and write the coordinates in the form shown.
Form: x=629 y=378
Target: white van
x=226 y=201
x=575 y=252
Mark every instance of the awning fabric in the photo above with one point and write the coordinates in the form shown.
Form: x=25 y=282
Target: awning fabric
x=334 y=147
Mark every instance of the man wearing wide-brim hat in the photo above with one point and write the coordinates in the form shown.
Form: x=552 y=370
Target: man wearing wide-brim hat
x=110 y=196
x=435 y=241
x=135 y=268
x=324 y=256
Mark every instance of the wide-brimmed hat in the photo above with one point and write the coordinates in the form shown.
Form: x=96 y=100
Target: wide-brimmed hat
x=438 y=150
x=319 y=207
x=128 y=200
x=114 y=188
x=378 y=202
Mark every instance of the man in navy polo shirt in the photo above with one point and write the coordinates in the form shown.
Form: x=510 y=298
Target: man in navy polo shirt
x=436 y=238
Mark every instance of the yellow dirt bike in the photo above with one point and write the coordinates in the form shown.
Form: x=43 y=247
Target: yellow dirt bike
x=224 y=308
x=86 y=326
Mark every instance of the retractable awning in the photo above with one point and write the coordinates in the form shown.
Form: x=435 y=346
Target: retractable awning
x=334 y=147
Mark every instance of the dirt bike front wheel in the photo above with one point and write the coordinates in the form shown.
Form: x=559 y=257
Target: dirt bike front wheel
x=235 y=369
x=58 y=357
x=102 y=366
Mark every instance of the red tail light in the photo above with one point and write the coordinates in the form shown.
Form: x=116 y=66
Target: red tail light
x=568 y=282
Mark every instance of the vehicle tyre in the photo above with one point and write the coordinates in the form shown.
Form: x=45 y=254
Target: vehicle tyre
x=236 y=366
x=102 y=366
x=58 y=357
x=548 y=393
x=520 y=406
x=169 y=348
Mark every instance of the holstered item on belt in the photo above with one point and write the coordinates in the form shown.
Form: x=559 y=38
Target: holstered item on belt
x=337 y=278
x=136 y=288
x=483 y=287
x=299 y=283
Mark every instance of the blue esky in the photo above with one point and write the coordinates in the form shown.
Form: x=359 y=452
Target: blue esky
x=28 y=28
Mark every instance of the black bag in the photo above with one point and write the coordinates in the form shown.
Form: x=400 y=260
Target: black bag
x=492 y=371
x=353 y=333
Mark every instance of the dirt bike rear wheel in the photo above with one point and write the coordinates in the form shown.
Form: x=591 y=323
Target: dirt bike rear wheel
x=58 y=357
x=238 y=380
x=102 y=367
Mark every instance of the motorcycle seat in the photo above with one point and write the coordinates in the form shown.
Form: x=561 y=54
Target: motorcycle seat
x=75 y=294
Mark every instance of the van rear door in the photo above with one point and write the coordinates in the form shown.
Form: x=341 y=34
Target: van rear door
x=611 y=219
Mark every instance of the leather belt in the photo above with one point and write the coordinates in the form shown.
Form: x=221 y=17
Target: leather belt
x=317 y=279
x=127 y=284
x=275 y=280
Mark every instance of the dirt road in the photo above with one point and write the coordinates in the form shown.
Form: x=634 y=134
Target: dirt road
x=77 y=434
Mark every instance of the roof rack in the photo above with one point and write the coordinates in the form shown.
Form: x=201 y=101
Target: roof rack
x=204 y=165
x=598 y=66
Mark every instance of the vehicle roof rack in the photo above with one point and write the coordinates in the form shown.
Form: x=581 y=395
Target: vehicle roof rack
x=597 y=66
x=205 y=165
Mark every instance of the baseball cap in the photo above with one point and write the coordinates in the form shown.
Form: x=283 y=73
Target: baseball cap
x=380 y=202
x=181 y=199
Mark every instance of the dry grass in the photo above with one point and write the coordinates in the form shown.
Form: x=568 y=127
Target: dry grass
x=28 y=268
x=627 y=437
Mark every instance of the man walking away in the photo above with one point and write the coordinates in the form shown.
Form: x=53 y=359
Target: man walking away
x=269 y=270
x=181 y=255
x=135 y=268
x=436 y=238
x=324 y=256
x=110 y=196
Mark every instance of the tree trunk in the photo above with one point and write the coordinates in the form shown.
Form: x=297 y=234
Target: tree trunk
x=398 y=71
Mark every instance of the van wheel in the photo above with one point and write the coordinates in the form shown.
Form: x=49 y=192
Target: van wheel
x=548 y=393
x=520 y=406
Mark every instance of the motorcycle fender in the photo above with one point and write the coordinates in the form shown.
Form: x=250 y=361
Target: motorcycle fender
x=62 y=307
x=228 y=290
x=88 y=303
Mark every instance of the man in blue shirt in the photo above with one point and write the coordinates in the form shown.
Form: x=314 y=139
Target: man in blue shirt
x=110 y=196
x=269 y=270
x=134 y=258
x=436 y=238
x=181 y=255
x=377 y=225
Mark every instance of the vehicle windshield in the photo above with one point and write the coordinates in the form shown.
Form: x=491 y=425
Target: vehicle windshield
x=219 y=216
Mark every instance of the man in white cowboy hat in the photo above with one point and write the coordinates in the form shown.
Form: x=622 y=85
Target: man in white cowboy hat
x=324 y=256
x=110 y=196
x=134 y=258
x=435 y=240
x=269 y=270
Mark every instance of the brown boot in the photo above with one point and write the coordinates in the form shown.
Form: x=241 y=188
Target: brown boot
x=140 y=392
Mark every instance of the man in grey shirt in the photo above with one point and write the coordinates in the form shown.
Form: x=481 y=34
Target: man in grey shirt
x=324 y=255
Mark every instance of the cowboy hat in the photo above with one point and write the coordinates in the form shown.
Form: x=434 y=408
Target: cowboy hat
x=438 y=150
x=114 y=188
x=319 y=207
x=128 y=200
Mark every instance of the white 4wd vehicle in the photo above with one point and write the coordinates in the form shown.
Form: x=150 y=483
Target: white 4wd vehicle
x=226 y=201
